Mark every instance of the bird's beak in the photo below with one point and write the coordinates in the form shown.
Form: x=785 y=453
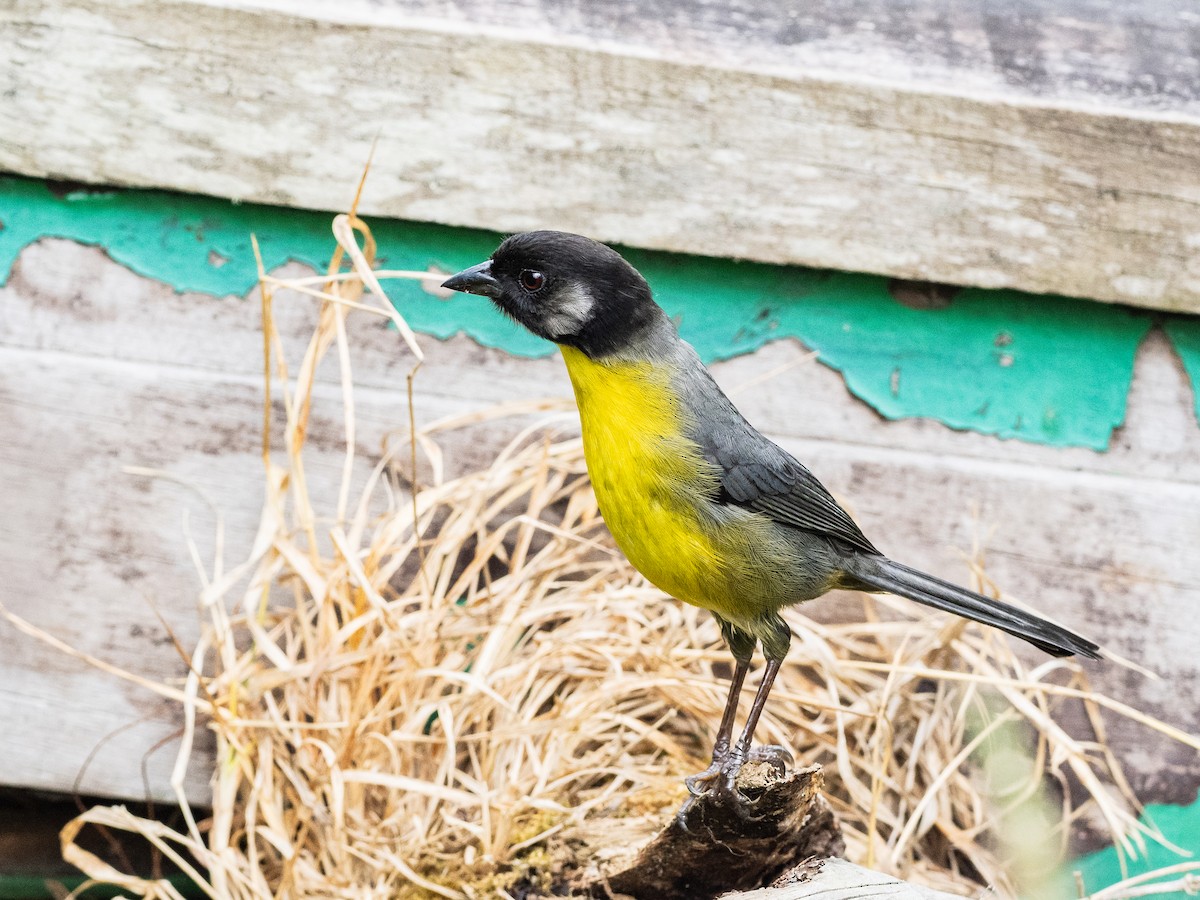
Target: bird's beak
x=475 y=280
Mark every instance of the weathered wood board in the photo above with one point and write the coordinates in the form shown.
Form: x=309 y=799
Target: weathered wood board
x=102 y=369
x=1053 y=147
x=836 y=879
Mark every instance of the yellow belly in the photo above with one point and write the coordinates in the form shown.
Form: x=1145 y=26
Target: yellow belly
x=650 y=479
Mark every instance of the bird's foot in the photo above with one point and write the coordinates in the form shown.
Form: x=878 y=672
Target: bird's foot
x=700 y=785
x=702 y=782
x=777 y=757
x=720 y=780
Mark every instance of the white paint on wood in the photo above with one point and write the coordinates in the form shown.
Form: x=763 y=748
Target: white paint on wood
x=101 y=369
x=680 y=142
x=837 y=879
x=1101 y=53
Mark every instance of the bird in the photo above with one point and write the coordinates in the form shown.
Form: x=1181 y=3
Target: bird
x=705 y=507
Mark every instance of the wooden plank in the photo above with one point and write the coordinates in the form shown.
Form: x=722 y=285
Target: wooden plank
x=1135 y=56
x=100 y=369
x=93 y=555
x=71 y=299
x=732 y=133
x=837 y=879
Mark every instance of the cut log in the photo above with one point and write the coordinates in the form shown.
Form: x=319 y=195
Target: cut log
x=731 y=844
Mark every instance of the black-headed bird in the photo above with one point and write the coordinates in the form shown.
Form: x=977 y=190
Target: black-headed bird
x=704 y=506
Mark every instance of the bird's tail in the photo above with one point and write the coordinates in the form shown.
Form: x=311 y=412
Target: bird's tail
x=881 y=573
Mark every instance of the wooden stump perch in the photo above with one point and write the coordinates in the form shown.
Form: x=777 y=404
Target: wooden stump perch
x=784 y=835
x=730 y=845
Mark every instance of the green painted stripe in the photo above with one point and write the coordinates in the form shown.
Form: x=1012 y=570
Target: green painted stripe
x=1184 y=332
x=1044 y=369
x=1179 y=824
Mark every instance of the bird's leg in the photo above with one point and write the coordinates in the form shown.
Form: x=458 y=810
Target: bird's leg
x=697 y=784
x=741 y=750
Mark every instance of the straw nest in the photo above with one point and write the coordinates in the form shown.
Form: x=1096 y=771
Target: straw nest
x=461 y=689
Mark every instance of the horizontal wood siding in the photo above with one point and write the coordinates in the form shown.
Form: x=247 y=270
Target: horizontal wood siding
x=690 y=138
x=102 y=369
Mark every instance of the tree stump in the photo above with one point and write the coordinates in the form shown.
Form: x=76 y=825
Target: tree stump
x=731 y=843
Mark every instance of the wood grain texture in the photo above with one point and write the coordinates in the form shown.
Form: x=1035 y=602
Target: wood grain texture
x=837 y=879
x=100 y=369
x=1054 y=151
x=1101 y=53
x=730 y=842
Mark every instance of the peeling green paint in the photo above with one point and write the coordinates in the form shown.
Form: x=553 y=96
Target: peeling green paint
x=1044 y=369
x=1184 y=332
x=202 y=244
x=1178 y=824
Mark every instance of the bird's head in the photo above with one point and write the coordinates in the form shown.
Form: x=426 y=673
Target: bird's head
x=566 y=288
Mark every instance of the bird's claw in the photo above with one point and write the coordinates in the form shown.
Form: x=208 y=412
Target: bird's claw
x=777 y=757
x=700 y=784
x=720 y=780
x=681 y=817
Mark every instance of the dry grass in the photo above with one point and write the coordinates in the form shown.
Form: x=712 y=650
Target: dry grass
x=463 y=690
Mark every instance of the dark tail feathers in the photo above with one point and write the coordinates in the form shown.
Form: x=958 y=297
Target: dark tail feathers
x=881 y=573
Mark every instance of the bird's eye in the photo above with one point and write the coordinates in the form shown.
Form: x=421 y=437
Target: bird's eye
x=532 y=281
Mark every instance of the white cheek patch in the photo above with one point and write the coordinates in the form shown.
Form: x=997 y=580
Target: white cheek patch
x=572 y=309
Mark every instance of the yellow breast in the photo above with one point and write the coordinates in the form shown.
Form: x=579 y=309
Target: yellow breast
x=648 y=476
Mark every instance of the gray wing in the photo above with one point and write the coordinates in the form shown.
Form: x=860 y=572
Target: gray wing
x=759 y=475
